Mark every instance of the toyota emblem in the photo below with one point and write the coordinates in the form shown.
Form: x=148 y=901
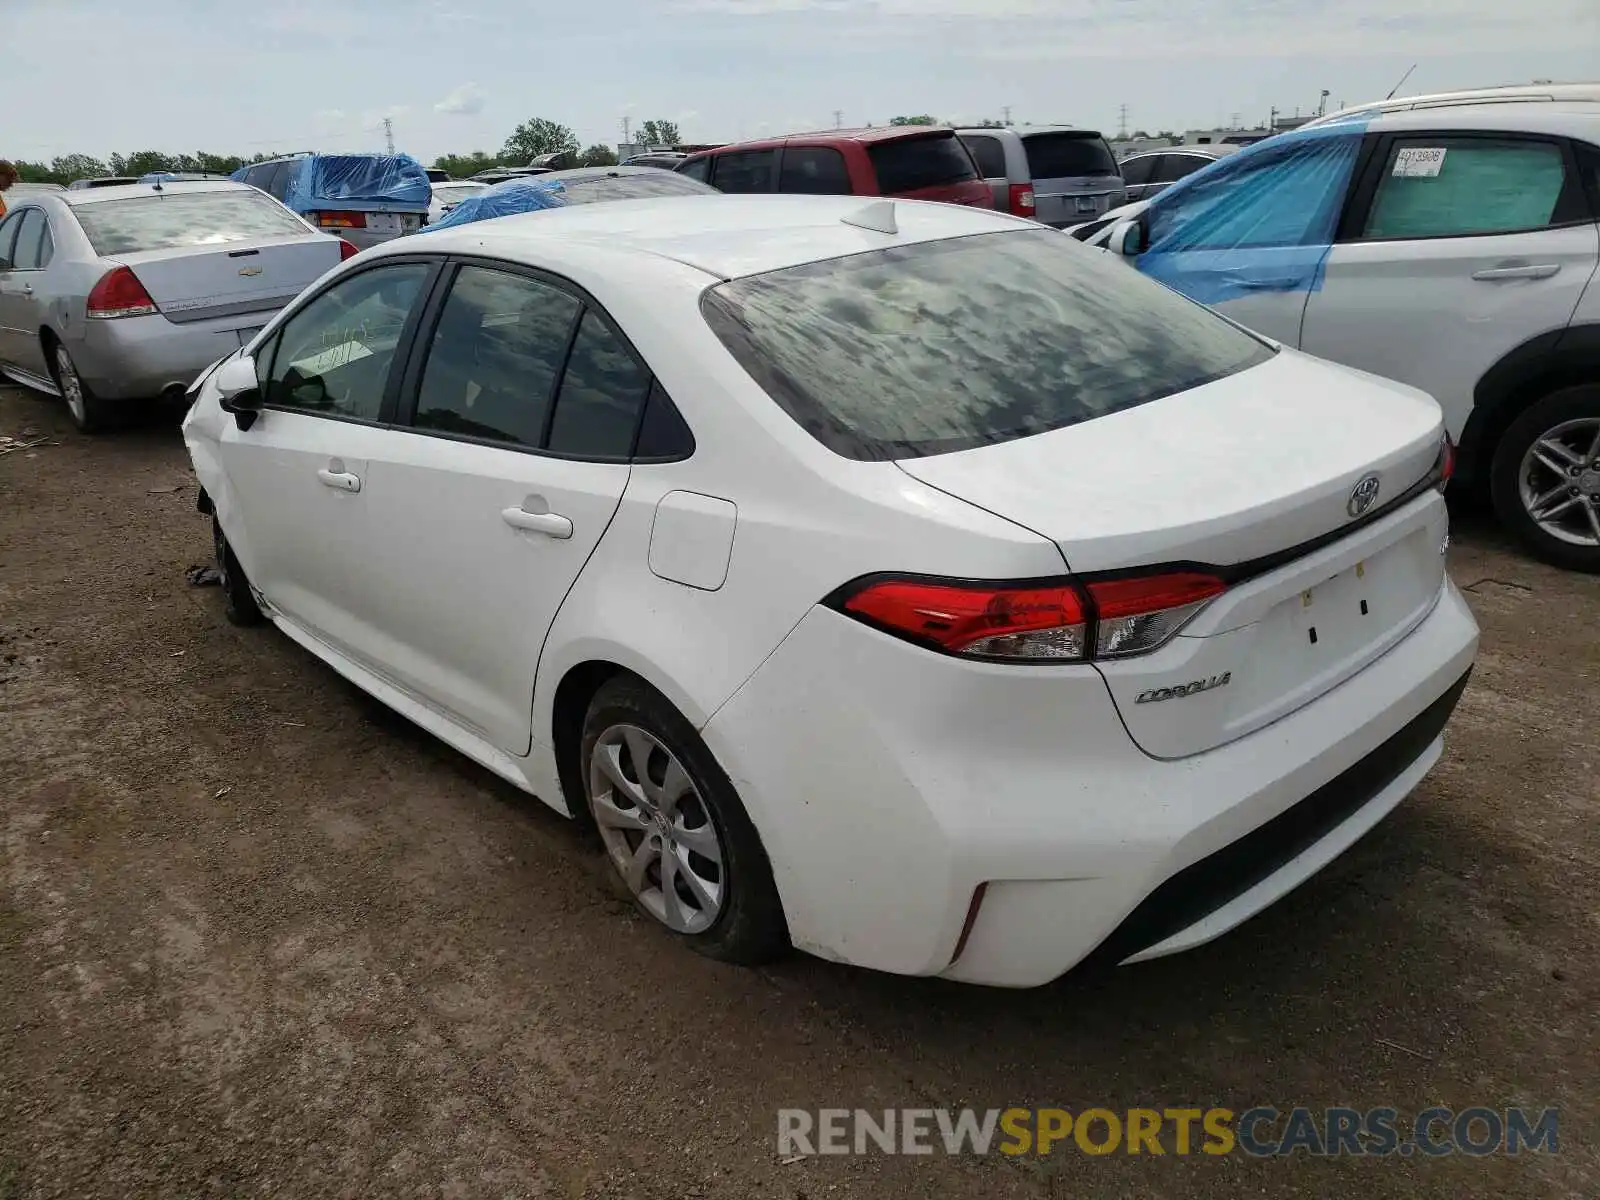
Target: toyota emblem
x=1362 y=496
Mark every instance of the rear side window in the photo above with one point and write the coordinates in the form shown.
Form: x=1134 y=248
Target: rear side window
x=1175 y=166
x=814 y=171
x=602 y=391
x=948 y=345
x=30 y=241
x=990 y=154
x=746 y=171
x=187 y=219
x=910 y=164
x=1136 y=171
x=1458 y=187
x=1064 y=155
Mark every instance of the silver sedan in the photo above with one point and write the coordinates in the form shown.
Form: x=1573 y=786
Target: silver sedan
x=112 y=295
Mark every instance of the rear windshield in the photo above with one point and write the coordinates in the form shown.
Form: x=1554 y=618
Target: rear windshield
x=910 y=164
x=947 y=345
x=1063 y=155
x=183 y=219
x=632 y=187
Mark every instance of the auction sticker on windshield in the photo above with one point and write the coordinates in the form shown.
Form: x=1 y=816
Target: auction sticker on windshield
x=1419 y=161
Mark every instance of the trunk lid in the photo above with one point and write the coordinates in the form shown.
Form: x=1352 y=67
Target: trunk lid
x=202 y=283
x=1256 y=476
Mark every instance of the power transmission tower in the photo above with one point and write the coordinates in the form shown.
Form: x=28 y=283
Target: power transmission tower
x=838 y=118
x=388 y=133
x=627 y=131
x=1005 y=114
x=1122 y=121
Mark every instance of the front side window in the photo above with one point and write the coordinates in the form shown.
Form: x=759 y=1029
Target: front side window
x=697 y=168
x=1457 y=187
x=8 y=233
x=1175 y=166
x=814 y=171
x=333 y=356
x=966 y=342
x=183 y=219
x=1288 y=194
x=746 y=171
x=493 y=361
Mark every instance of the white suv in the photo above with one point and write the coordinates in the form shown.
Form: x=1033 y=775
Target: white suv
x=1446 y=241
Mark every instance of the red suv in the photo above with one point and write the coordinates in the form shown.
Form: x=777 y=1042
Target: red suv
x=913 y=162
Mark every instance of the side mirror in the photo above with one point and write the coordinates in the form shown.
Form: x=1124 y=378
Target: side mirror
x=238 y=390
x=5 y=263
x=1127 y=238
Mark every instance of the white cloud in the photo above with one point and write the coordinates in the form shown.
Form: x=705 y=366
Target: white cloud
x=468 y=100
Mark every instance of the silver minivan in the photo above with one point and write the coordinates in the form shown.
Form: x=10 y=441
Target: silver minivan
x=1057 y=175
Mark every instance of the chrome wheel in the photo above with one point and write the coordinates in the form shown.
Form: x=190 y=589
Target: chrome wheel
x=657 y=828
x=1559 y=482
x=71 y=386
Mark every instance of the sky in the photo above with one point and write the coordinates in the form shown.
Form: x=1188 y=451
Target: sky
x=249 y=76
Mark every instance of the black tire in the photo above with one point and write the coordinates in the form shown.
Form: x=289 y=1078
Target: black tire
x=238 y=601
x=748 y=927
x=1581 y=403
x=89 y=412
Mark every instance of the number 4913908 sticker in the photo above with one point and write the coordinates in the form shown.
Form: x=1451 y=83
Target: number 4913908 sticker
x=1419 y=161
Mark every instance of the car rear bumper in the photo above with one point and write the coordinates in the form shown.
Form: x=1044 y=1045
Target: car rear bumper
x=133 y=358
x=892 y=786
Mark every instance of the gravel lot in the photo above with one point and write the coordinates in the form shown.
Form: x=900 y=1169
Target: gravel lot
x=260 y=937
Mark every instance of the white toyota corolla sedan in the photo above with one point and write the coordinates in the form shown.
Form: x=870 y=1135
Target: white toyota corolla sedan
x=899 y=581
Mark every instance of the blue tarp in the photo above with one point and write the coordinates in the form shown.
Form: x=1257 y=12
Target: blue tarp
x=1261 y=220
x=354 y=179
x=505 y=199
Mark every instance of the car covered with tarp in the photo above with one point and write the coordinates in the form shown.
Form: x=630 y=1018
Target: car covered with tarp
x=364 y=198
x=560 y=189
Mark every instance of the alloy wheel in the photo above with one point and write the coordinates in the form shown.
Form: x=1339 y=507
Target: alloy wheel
x=71 y=385
x=1559 y=482
x=657 y=829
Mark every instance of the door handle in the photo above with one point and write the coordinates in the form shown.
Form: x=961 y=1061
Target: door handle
x=548 y=523
x=1537 y=271
x=1267 y=285
x=27 y=289
x=345 y=481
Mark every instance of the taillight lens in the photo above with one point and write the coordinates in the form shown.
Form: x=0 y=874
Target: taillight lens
x=1446 y=466
x=347 y=250
x=1060 y=621
x=340 y=220
x=1139 y=613
x=1022 y=199
x=118 y=294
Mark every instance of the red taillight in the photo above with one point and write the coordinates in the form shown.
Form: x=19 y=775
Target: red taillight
x=1447 y=462
x=1061 y=621
x=118 y=294
x=340 y=220
x=347 y=250
x=1022 y=199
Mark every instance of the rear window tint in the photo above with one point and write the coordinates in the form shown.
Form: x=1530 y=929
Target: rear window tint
x=1064 y=155
x=190 y=219
x=971 y=341
x=910 y=164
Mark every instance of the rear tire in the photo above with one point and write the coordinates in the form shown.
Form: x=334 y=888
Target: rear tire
x=88 y=412
x=1545 y=478
x=238 y=601
x=674 y=831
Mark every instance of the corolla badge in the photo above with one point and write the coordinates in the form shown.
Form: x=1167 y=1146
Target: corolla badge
x=1193 y=688
x=1362 y=495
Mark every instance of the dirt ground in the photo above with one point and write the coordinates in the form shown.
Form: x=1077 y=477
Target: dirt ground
x=259 y=937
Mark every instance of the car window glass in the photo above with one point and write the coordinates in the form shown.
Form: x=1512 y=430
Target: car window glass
x=30 y=239
x=1175 y=166
x=662 y=433
x=1068 y=155
x=910 y=164
x=747 y=171
x=814 y=171
x=597 y=409
x=1445 y=187
x=494 y=357
x=334 y=355
x=1284 y=195
x=278 y=182
x=47 y=246
x=1136 y=171
x=8 y=233
x=699 y=168
x=991 y=155
x=169 y=222
x=969 y=341
x=258 y=175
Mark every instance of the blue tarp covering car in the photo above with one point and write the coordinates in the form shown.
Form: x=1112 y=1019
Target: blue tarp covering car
x=505 y=199
x=364 y=198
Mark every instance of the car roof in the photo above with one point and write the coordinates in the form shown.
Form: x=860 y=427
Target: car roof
x=171 y=187
x=726 y=236
x=1563 y=94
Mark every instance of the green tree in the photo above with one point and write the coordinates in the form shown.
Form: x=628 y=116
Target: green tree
x=465 y=166
x=660 y=133
x=924 y=119
x=68 y=167
x=537 y=136
x=597 y=155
